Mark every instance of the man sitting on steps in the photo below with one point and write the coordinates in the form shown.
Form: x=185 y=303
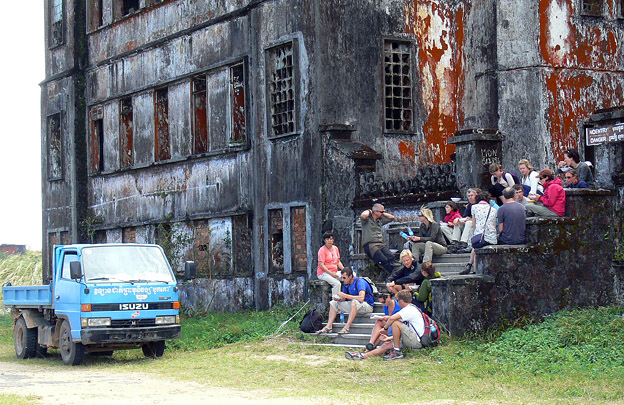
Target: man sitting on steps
x=355 y=298
x=407 y=325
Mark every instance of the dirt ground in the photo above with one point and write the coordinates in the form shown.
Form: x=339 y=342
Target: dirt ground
x=80 y=385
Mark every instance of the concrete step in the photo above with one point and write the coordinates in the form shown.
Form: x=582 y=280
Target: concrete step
x=451 y=258
x=359 y=327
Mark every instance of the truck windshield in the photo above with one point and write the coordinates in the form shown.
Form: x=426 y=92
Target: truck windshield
x=125 y=264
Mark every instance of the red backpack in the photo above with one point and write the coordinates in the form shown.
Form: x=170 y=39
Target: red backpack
x=431 y=337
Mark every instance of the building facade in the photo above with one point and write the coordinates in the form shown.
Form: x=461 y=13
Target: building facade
x=232 y=132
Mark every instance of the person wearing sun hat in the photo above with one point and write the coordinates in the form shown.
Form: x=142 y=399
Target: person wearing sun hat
x=429 y=240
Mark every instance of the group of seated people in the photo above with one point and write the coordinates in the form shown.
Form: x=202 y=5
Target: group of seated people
x=497 y=216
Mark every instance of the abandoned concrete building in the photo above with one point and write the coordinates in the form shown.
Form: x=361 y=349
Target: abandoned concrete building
x=232 y=132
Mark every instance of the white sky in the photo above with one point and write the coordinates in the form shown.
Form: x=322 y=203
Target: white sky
x=21 y=71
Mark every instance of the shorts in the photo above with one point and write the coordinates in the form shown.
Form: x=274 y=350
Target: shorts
x=409 y=338
x=345 y=306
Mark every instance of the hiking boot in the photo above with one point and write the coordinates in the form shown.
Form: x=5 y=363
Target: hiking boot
x=467 y=270
x=370 y=346
x=354 y=356
x=394 y=355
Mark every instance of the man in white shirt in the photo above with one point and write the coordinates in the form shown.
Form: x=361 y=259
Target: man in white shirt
x=407 y=325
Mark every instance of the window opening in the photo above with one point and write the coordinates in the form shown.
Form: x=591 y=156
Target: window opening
x=397 y=86
x=281 y=90
x=56 y=23
x=126 y=132
x=237 y=82
x=129 y=7
x=68 y=258
x=95 y=14
x=592 y=7
x=161 y=111
x=276 y=241
x=621 y=9
x=54 y=147
x=200 y=114
x=97 y=140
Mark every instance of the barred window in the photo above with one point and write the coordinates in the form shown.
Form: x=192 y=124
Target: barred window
x=281 y=89
x=398 y=86
x=591 y=7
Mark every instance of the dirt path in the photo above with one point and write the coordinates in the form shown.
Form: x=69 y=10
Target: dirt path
x=80 y=385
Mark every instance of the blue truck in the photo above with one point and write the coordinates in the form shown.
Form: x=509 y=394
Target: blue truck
x=101 y=298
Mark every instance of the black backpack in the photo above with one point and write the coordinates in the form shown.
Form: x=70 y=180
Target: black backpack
x=311 y=322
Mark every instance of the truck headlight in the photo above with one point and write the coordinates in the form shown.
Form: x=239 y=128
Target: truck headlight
x=166 y=320
x=94 y=322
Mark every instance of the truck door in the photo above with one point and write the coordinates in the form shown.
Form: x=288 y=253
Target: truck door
x=67 y=293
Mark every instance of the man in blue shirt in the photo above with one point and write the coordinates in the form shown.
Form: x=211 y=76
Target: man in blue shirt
x=573 y=180
x=356 y=297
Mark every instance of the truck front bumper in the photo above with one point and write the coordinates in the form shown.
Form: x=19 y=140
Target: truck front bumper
x=129 y=335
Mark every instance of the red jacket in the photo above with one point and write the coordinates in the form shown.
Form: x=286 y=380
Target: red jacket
x=451 y=217
x=554 y=197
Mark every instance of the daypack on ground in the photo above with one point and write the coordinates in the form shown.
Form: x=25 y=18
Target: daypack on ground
x=312 y=321
x=431 y=337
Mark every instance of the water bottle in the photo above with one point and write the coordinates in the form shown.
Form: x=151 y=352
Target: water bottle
x=342 y=317
x=409 y=230
x=404 y=235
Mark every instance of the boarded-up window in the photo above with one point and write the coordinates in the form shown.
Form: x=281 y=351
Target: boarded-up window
x=237 y=93
x=219 y=108
x=200 y=119
x=298 y=239
x=55 y=156
x=128 y=235
x=56 y=34
x=592 y=7
x=97 y=140
x=213 y=247
x=126 y=151
x=94 y=14
x=161 y=121
x=398 y=105
x=282 y=89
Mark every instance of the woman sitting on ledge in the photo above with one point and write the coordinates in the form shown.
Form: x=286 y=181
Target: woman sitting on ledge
x=552 y=203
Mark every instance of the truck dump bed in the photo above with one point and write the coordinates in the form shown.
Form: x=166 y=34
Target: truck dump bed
x=32 y=296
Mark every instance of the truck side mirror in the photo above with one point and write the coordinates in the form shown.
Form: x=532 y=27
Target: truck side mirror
x=190 y=270
x=75 y=270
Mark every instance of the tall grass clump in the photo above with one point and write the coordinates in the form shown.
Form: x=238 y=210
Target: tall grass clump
x=24 y=269
x=218 y=329
x=586 y=340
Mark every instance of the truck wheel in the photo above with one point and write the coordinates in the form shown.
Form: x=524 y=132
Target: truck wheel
x=71 y=352
x=25 y=340
x=154 y=349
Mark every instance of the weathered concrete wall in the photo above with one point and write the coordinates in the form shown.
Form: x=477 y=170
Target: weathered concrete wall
x=566 y=264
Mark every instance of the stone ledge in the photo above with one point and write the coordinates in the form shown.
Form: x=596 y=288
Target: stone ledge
x=461 y=280
x=551 y=220
x=493 y=249
x=589 y=191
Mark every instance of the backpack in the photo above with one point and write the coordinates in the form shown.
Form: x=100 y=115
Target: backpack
x=431 y=337
x=515 y=177
x=372 y=285
x=312 y=321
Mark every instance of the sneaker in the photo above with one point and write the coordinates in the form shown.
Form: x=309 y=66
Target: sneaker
x=354 y=356
x=370 y=346
x=467 y=270
x=394 y=355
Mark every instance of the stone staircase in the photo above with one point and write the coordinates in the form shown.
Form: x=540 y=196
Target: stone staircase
x=448 y=264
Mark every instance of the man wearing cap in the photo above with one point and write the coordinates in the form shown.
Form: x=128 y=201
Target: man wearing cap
x=372 y=237
x=552 y=203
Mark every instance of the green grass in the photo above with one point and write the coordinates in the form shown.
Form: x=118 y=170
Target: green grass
x=10 y=399
x=23 y=269
x=571 y=357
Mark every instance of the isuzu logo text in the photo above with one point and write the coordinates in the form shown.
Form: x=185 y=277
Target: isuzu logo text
x=128 y=307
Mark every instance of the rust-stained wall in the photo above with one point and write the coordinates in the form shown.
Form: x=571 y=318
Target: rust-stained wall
x=534 y=70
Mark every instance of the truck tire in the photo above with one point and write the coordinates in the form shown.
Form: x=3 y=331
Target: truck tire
x=71 y=352
x=154 y=349
x=25 y=340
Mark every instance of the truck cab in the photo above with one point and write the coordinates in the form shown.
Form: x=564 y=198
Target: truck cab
x=101 y=298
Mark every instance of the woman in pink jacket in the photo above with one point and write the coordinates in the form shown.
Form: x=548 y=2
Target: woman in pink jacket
x=552 y=203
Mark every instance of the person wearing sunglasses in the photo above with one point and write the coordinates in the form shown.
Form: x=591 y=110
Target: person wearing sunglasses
x=572 y=180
